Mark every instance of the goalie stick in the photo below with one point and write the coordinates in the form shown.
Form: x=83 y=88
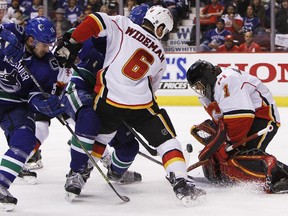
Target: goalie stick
x=268 y=129
x=63 y=122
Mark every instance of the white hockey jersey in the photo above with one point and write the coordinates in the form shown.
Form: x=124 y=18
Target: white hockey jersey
x=134 y=62
x=241 y=97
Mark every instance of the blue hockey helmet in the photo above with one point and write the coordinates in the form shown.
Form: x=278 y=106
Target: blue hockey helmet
x=137 y=13
x=41 y=29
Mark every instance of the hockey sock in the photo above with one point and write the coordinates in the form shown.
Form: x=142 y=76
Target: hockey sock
x=172 y=158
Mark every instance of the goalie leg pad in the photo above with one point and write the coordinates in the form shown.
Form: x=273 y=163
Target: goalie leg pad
x=211 y=171
x=256 y=166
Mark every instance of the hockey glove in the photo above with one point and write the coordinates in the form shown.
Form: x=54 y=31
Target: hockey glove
x=13 y=48
x=67 y=50
x=50 y=106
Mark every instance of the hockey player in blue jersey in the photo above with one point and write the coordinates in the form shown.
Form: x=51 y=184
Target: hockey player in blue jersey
x=20 y=98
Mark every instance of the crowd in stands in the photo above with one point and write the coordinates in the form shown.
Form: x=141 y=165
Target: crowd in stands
x=240 y=17
x=218 y=18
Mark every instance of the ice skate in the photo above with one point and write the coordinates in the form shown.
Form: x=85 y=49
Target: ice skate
x=86 y=174
x=106 y=160
x=73 y=186
x=186 y=191
x=28 y=176
x=35 y=162
x=280 y=187
x=7 y=201
x=128 y=177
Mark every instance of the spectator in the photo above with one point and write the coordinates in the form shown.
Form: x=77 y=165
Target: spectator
x=177 y=9
x=214 y=37
x=282 y=18
x=129 y=6
x=26 y=3
x=61 y=3
x=242 y=7
x=155 y=2
x=73 y=12
x=250 y=21
x=94 y=5
x=105 y=9
x=233 y=21
x=228 y=45
x=15 y=5
x=40 y=10
x=3 y=10
x=86 y=12
x=249 y=45
x=268 y=16
x=60 y=22
x=113 y=7
x=32 y=11
x=259 y=11
x=18 y=18
x=211 y=13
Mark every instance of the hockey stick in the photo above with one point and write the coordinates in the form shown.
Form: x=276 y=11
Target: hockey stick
x=145 y=145
x=197 y=164
x=61 y=119
x=268 y=129
x=150 y=158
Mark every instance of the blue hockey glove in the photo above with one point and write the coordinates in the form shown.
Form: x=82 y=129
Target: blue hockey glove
x=67 y=52
x=14 y=49
x=50 y=106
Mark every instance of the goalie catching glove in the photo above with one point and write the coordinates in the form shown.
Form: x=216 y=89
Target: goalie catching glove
x=209 y=134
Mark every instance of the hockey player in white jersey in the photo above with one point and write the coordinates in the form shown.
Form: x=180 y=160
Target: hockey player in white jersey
x=125 y=87
x=240 y=105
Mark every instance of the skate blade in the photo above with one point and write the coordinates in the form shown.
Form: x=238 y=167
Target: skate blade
x=34 y=166
x=7 y=207
x=29 y=179
x=189 y=201
x=282 y=192
x=70 y=196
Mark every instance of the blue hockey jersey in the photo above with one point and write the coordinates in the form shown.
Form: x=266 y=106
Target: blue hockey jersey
x=16 y=86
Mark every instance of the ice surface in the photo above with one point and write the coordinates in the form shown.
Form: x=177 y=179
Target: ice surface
x=154 y=195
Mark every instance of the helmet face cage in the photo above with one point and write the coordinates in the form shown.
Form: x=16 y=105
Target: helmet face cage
x=158 y=15
x=137 y=14
x=41 y=29
x=199 y=88
x=201 y=78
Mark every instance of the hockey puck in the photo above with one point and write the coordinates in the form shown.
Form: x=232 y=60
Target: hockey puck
x=189 y=148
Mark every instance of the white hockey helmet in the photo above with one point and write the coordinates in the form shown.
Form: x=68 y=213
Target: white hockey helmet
x=3 y=5
x=158 y=15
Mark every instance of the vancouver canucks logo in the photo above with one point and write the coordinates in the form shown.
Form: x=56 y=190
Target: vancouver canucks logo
x=9 y=81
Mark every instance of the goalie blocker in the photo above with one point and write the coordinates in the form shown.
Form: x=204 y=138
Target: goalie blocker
x=237 y=166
